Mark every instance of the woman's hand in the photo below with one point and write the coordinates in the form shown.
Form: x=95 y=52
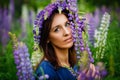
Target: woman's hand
x=90 y=73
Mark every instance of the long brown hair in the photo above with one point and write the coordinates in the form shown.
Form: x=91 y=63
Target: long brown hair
x=47 y=48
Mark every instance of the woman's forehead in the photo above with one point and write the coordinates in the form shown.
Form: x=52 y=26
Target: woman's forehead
x=59 y=19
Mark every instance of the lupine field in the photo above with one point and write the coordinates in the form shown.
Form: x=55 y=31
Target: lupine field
x=102 y=35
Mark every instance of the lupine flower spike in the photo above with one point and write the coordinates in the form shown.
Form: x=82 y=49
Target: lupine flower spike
x=101 y=36
x=22 y=60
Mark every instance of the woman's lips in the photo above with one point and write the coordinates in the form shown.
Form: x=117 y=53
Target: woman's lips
x=69 y=39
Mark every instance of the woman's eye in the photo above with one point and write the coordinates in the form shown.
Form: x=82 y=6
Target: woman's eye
x=56 y=30
x=67 y=24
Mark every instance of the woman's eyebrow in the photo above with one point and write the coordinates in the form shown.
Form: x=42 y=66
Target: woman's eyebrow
x=55 y=27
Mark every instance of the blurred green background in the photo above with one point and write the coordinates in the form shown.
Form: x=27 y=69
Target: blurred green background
x=17 y=16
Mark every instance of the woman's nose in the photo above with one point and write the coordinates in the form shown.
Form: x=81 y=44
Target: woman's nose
x=66 y=31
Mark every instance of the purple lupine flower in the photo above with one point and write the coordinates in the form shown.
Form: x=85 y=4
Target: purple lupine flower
x=11 y=7
x=22 y=59
x=6 y=20
x=5 y=27
x=104 y=9
x=23 y=64
x=11 y=11
x=103 y=73
x=44 y=77
x=72 y=5
x=77 y=34
x=85 y=76
x=93 y=23
x=1 y=18
x=1 y=23
x=101 y=68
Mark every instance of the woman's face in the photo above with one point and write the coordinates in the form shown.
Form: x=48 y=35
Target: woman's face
x=60 y=34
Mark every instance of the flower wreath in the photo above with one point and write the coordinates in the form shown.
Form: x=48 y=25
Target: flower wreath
x=77 y=26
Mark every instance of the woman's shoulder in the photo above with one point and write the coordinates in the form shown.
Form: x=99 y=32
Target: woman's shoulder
x=46 y=64
x=46 y=68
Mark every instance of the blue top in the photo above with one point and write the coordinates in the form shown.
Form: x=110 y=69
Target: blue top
x=46 y=68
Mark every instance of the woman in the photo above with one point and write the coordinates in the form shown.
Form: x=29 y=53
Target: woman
x=56 y=40
x=57 y=44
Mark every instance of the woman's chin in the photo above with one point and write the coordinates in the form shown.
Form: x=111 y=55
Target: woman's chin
x=69 y=45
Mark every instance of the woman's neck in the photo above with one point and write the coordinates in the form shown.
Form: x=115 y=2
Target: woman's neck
x=63 y=57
